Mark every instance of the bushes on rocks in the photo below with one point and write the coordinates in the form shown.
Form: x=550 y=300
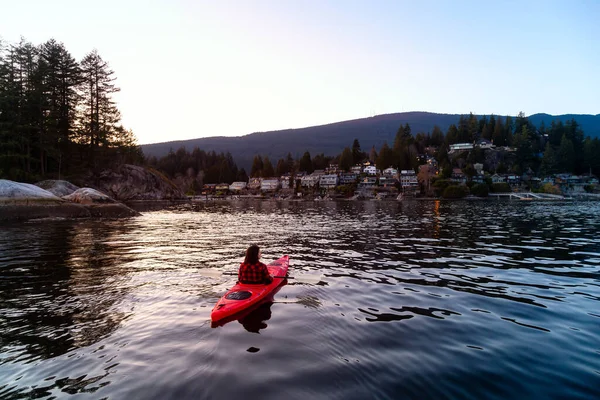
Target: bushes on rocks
x=480 y=190
x=455 y=192
x=500 y=187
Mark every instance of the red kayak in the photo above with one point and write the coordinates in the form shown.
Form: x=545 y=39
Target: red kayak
x=242 y=296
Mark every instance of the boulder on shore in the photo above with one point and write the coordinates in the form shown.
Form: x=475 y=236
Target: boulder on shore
x=24 y=201
x=88 y=196
x=132 y=182
x=25 y=193
x=58 y=188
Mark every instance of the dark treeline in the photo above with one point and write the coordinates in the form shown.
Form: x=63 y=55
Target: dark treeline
x=190 y=171
x=57 y=115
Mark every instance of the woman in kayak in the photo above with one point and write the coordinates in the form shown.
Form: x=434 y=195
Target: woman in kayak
x=252 y=270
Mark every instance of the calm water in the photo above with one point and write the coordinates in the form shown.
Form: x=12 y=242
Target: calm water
x=421 y=300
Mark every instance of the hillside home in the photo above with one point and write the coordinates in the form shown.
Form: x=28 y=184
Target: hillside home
x=368 y=182
x=333 y=169
x=222 y=187
x=484 y=144
x=370 y=170
x=270 y=184
x=390 y=171
x=328 y=181
x=460 y=147
x=479 y=168
x=237 y=186
x=458 y=176
x=357 y=169
x=348 y=178
x=387 y=181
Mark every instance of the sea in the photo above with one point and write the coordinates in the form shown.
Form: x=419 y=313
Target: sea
x=408 y=300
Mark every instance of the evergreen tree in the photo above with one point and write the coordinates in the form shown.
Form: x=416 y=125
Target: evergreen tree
x=437 y=136
x=357 y=155
x=549 y=161
x=346 y=159
x=373 y=154
x=566 y=155
x=385 y=158
x=100 y=116
x=267 y=171
x=281 y=168
x=257 y=167
x=306 y=163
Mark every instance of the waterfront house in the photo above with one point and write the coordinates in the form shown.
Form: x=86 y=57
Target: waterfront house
x=208 y=188
x=284 y=181
x=269 y=184
x=237 y=186
x=498 y=178
x=328 y=181
x=513 y=180
x=370 y=170
x=254 y=183
x=348 y=178
x=390 y=172
x=408 y=180
x=309 y=180
x=222 y=187
x=368 y=182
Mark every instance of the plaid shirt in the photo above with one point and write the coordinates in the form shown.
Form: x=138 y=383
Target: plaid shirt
x=254 y=273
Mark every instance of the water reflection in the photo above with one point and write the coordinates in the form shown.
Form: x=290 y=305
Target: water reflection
x=56 y=298
x=256 y=320
x=428 y=299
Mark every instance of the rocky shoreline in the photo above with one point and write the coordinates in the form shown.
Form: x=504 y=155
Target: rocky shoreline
x=62 y=199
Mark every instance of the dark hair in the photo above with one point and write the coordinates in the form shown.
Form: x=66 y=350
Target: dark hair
x=252 y=254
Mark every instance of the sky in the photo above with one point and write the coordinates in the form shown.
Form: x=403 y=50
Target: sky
x=190 y=69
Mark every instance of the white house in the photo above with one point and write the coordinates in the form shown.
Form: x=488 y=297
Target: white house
x=309 y=180
x=270 y=184
x=390 y=171
x=370 y=170
x=328 y=181
x=460 y=147
x=237 y=186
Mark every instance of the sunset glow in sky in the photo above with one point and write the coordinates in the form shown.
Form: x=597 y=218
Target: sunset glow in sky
x=191 y=69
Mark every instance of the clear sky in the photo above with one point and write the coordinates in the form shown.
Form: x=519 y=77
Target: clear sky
x=191 y=69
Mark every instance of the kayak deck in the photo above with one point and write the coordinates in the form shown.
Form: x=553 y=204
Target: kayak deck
x=241 y=296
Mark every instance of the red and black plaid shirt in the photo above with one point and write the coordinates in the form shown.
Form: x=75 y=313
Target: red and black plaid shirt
x=254 y=273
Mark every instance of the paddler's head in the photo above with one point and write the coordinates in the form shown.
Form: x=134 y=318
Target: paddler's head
x=252 y=254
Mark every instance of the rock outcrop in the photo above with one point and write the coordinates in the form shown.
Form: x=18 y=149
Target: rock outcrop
x=58 y=188
x=131 y=182
x=25 y=201
x=25 y=193
x=88 y=196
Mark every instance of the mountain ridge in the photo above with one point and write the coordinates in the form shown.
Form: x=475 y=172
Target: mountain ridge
x=331 y=138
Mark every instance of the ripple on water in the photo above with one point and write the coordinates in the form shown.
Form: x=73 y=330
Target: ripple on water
x=417 y=300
